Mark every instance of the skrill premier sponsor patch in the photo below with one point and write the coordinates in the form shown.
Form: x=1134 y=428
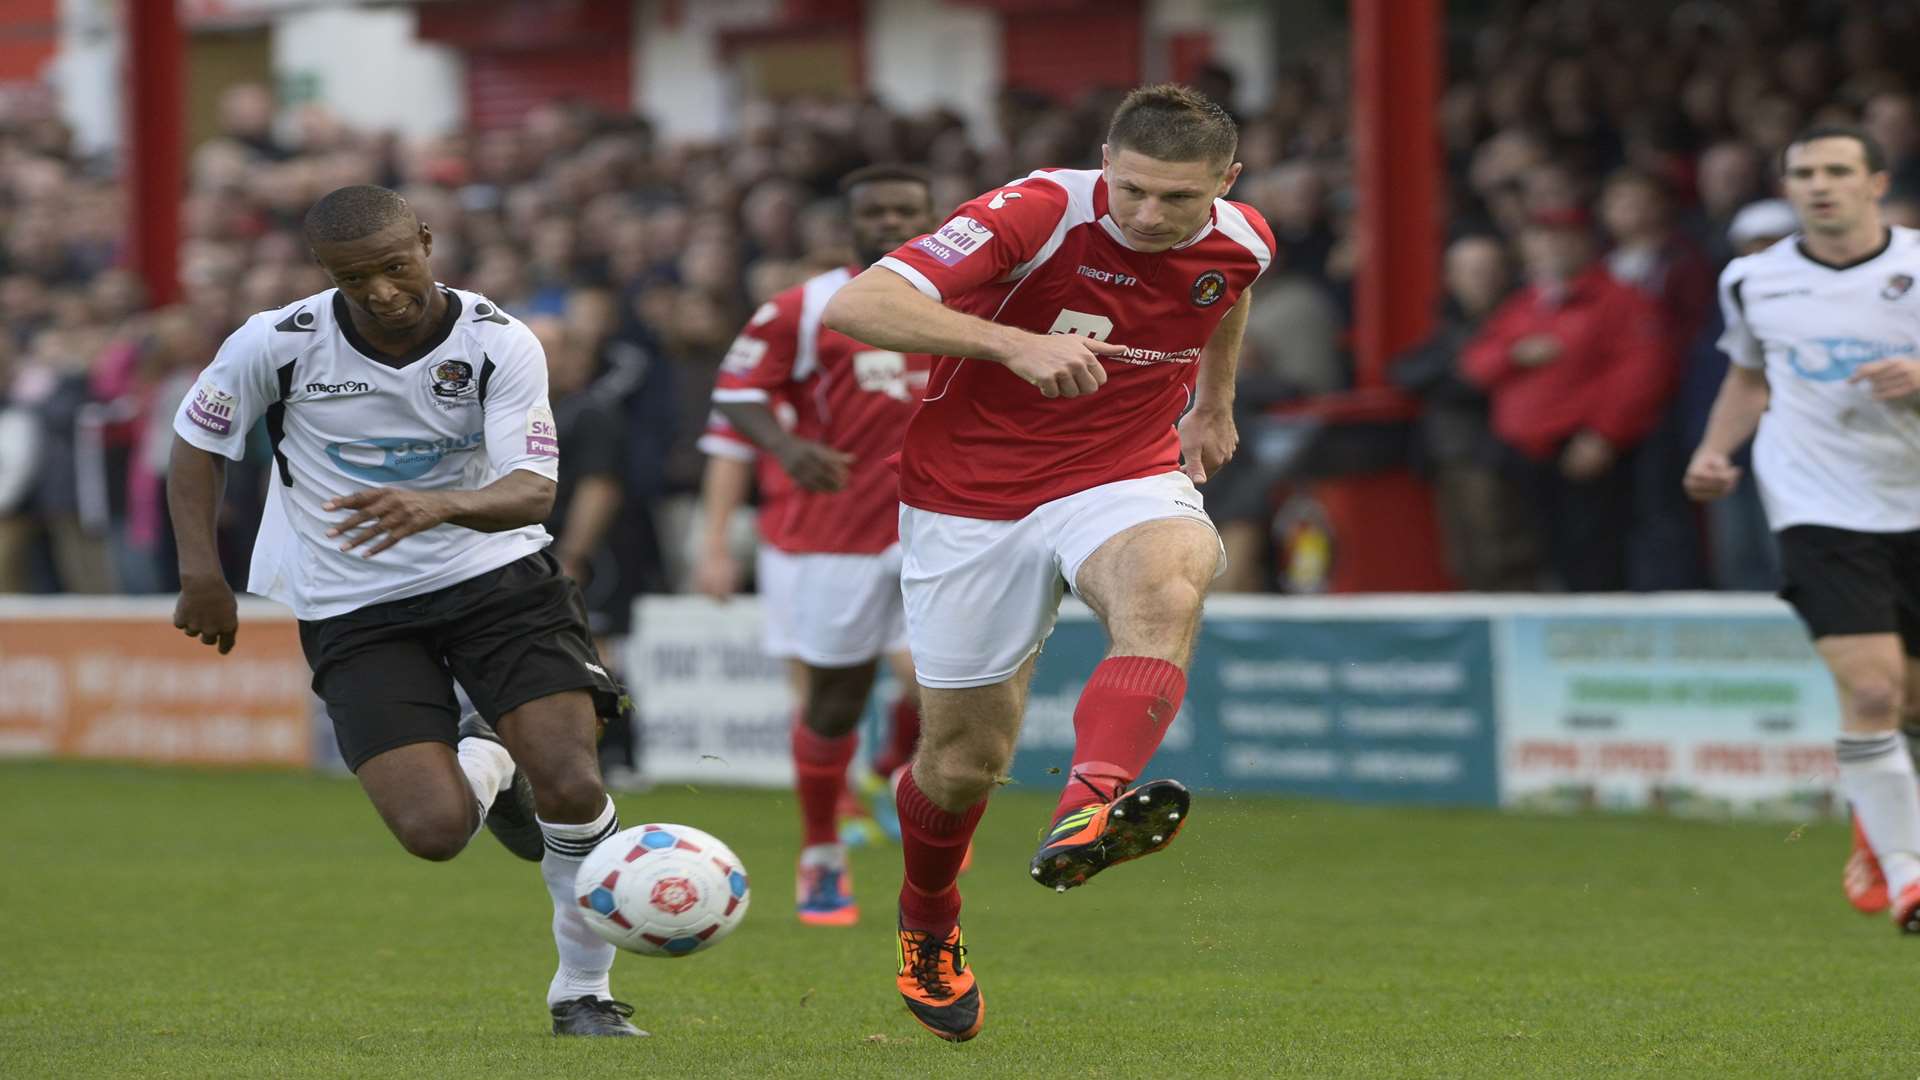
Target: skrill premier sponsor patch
x=956 y=240
x=543 y=437
x=212 y=409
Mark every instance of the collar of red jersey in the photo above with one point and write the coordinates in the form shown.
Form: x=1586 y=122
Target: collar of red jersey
x=1120 y=237
x=1113 y=229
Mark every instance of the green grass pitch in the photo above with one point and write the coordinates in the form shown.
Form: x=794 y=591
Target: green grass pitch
x=192 y=924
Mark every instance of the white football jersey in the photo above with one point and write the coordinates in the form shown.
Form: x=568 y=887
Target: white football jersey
x=1827 y=453
x=464 y=409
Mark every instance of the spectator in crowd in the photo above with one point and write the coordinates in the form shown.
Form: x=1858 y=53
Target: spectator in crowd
x=689 y=236
x=1664 y=550
x=1487 y=529
x=1576 y=368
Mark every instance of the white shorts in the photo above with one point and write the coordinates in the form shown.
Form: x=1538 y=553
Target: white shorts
x=831 y=610
x=982 y=595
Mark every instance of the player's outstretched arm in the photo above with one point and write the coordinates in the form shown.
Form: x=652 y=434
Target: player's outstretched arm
x=385 y=516
x=195 y=481
x=1736 y=415
x=884 y=310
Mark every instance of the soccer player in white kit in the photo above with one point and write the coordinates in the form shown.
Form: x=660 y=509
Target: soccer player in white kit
x=414 y=459
x=1823 y=331
x=1127 y=286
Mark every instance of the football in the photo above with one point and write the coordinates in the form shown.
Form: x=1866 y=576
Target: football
x=662 y=890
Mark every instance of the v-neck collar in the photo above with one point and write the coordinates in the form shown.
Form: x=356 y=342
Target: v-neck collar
x=343 y=315
x=1800 y=245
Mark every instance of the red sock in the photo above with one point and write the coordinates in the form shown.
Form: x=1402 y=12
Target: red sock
x=820 y=775
x=934 y=842
x=904 y=735
x=1118 y=724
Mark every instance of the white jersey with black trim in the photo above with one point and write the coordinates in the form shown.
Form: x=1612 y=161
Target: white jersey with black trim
x=1826 y=452
x=466 y=408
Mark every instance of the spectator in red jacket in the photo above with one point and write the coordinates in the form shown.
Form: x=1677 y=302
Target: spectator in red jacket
x=1576 y=367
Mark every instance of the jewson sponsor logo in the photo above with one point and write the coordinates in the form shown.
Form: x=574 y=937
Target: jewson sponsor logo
x=398 y=459
x=1843 y=356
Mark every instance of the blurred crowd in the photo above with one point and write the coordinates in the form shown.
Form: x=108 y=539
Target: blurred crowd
x=1603 y=162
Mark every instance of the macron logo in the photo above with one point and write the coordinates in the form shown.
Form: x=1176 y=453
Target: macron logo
x=339 y=387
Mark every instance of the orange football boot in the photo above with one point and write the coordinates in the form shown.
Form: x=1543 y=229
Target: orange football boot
x=938 y=986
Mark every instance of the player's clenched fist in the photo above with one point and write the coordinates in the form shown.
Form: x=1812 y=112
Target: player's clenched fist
x=394 y=512
x=206 y=610
x=1710 y=475
x=1062 y=365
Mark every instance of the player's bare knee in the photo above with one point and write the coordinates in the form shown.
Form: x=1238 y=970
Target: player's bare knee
x=1159 y=620
x=959 y=776
x=834 y=708
x=1874 y=700
x=572 y=795
x=435 y=837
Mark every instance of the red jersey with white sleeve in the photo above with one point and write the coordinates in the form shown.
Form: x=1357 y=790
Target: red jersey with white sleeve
x=847 y=396
x=1042 y=254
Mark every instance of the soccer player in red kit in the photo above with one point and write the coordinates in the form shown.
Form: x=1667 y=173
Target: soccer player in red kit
x=831 y=571
x=1087 y=325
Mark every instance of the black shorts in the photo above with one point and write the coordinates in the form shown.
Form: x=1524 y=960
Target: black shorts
x=1846 y=582
x=510 y=636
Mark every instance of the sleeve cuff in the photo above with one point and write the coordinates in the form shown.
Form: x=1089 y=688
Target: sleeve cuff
x=231 y=449
x=914 y=277
x=722 y=447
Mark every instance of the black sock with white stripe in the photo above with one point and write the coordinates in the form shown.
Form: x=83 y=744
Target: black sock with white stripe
x=586 y=960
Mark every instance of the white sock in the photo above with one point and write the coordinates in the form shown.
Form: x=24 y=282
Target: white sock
x=489 y=770
x=828 y=855
x=1877 y=776
x=586 y=960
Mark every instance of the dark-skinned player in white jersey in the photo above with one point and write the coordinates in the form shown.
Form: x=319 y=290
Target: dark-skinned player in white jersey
x=1087 y=325
x=414 y=458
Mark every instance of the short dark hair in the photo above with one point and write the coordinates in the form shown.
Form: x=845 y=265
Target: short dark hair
x=1870 y=146
x=883 y=173
x=1170 y=122
x=350 y=213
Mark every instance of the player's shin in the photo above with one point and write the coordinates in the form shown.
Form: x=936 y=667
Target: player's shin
x=934 y=843
x=489 y=769
x=1877 y=777
x=1122 y=715
x=586 y=959
x=902 y=735
x=820 y=777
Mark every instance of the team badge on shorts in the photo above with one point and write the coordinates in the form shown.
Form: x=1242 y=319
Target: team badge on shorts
x=1208 y=288
x=1897 y=287
x=451 y=381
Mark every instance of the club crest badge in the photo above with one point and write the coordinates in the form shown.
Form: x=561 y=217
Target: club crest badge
x=1208 y=288
x=451 y=381
x=1897 y=287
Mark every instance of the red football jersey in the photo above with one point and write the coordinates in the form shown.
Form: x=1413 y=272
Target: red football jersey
x=847 y=396
x=1042 y=254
